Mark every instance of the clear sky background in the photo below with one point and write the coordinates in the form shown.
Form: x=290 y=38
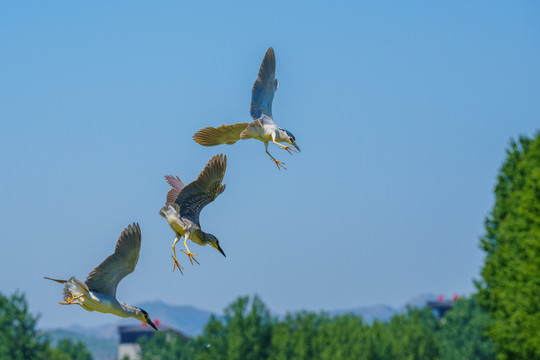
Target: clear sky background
x=403 y=112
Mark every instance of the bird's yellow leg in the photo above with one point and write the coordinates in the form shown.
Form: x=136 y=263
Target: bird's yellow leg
x=285 y=147
x=176 y=263
x=189 y=253
x=281 y=146
x=72 y=301
x=279 y=164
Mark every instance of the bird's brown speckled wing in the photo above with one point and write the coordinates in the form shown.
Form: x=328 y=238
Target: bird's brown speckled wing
x=199 y=193
x=105 y=278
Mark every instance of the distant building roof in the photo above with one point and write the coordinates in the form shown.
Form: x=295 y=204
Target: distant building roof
x=131 y=334
x=440 y=307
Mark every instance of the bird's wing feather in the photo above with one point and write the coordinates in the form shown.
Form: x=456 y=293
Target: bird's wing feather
x=264 y=87
x=199 y=193
x=176 y=185
x=105 y=278
x=225 y=134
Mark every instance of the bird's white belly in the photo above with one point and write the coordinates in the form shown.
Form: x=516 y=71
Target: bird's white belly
x=177 y=227
x=173 y=218
x=263 y=133
x=103 y=304
x=264 y=137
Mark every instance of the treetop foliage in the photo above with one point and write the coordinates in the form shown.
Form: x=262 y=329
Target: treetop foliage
x=509 y=289
x=19 y=339
x=248 y=331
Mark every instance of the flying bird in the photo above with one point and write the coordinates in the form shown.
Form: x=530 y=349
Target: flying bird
x=183 y=206
x=98 y=292
x=262 y=127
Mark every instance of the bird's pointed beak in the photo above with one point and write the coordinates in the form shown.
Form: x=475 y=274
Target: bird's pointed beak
x=296 y=146
x=152 y=324
x=220 y=250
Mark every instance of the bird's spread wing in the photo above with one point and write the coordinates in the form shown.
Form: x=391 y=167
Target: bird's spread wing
x=199 y=193
x=225 y=134
x=176 y=185
x=264 y=87
x=105 y=278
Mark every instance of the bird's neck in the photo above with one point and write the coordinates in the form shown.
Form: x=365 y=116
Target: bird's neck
x=127 y=310
x=281 y=135
x=197 y=236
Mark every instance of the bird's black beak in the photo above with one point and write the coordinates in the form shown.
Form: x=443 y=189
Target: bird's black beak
x=152 y=324
x=296 y=146
x=221 y=250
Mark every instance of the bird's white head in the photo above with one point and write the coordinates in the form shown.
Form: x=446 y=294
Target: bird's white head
x=287 y=136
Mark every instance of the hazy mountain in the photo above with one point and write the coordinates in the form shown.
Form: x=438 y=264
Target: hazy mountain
x=103 y=332
x=385 y=312
x=188 y=319
x=370 y=313
x=101 y=348
x=420 y=300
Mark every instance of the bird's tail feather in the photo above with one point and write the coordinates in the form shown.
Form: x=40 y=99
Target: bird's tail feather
x=73 y=288
x=225 y=134
x=209 y=136
x=171 y=209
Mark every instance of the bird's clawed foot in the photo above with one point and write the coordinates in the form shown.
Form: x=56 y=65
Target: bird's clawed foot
x=191 y=258
x=71 y=300
x=177 y=264
x=279 y=164
x=289 y=148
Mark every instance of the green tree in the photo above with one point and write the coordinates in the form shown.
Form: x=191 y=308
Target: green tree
x=244 y=333
x=18 y=337
x=463 y=332
x=343 y=337
x=67 y=350
x=166 y=345
x=212 y=344
x=248 y=331
x=509 y=289
x=380 y=344
x=413 y=335
x=294 y=338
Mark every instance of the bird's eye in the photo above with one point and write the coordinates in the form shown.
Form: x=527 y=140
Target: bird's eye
x=290 y=139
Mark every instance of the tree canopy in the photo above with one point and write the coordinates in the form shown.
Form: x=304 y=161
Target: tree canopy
x=20 y=340
x=509 y=289
x=248 y=331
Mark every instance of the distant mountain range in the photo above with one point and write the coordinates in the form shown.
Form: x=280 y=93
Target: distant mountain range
x=102 y=348
x=103 y=340
x=188 y=319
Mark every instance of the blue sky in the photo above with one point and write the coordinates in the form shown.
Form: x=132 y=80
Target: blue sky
x=403 y=111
